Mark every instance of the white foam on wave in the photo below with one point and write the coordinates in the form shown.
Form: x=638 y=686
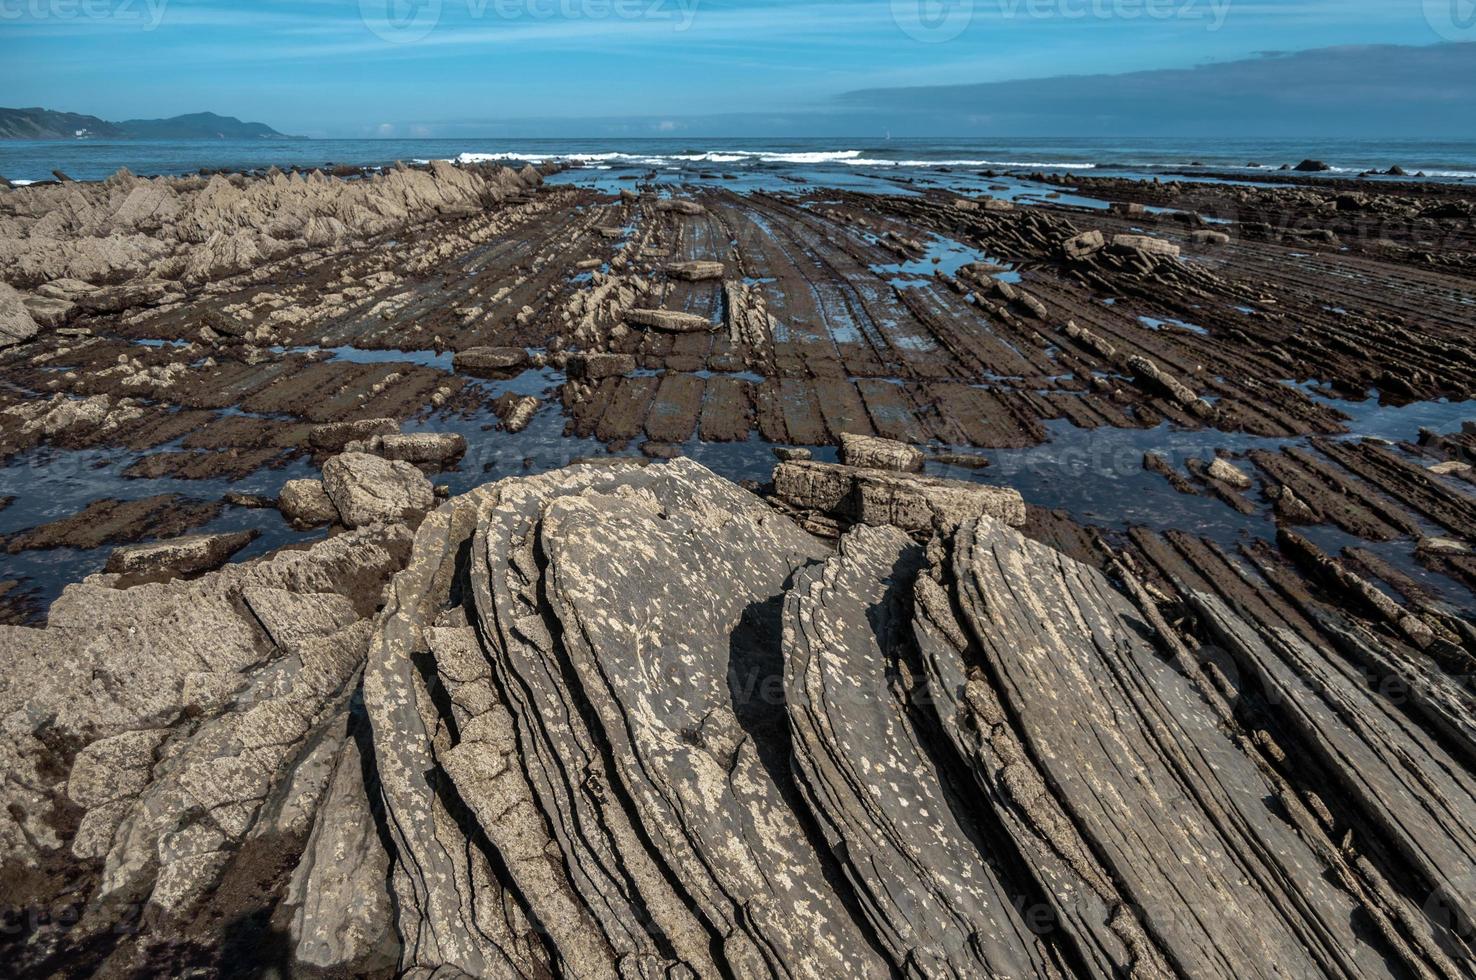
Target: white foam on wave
x=717 y=156
x=1412 y=170
x=23 y=183
x=1056 y=165
x=852 y=158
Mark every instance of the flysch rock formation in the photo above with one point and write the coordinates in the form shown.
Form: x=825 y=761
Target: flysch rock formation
x=155 y=233
x=910 y=850
x=630 y=720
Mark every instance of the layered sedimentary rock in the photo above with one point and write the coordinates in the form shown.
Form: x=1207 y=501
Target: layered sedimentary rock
x=191 y=229
x=927 y=887
x=872 y=496
x=161 y=736
x=632 y=720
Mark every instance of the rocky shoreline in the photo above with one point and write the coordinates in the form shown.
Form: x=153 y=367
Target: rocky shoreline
x=629 y=717
x=401 y=631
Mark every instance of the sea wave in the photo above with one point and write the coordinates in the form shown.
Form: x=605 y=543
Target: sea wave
x=1447 y=174
x=1051 y=165
x=726 y=156
x=853 y=158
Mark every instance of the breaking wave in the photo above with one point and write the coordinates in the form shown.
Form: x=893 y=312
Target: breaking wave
x=852 y=158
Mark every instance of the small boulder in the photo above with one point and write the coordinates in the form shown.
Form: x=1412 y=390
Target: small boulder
x=515 y=411
x=1442 y=546
x=1205 y=237
x=1312 y=167
x=420 y=448
x=304 y=502
x=695 y=271
x=1082 y=246
x=369 y=489
x=189 y=555
x=921 y=504
x=660 y=450
x=1454 y=468
x=594 y=367
x=494 y=359
x=250 y=501
x=1229 y=474
x=1144 y=245
x=333 y=436
x=670 y=321
x=876 y=453
x=968 y=461
x=1293 y=509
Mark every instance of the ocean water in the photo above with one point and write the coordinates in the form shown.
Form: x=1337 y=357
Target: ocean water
x=816 y=160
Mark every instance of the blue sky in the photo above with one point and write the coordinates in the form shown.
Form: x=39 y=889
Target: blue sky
x=450 y=67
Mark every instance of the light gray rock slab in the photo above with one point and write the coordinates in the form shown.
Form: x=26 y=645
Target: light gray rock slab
x=451 y=912
x=906 y=842
x=206 y=795
x=341 y=908
x=367 y=489
x=186 y=555
x=606 y=857
x=910 y=501
x=669 y=599
x=291 y=617
x=1185 y=820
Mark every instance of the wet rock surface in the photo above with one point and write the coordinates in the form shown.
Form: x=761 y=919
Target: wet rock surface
x=475 y=300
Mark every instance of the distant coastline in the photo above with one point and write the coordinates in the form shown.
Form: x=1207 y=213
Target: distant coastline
x=49 y=124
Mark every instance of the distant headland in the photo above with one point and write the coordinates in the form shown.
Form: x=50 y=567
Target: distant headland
x=47 y=124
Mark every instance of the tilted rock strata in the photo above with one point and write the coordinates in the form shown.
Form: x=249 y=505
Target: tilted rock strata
x=670 y=619
x=196 y=228
x=629 y=720
x=934 y=900
x=193 y=717
x=1095 y=701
